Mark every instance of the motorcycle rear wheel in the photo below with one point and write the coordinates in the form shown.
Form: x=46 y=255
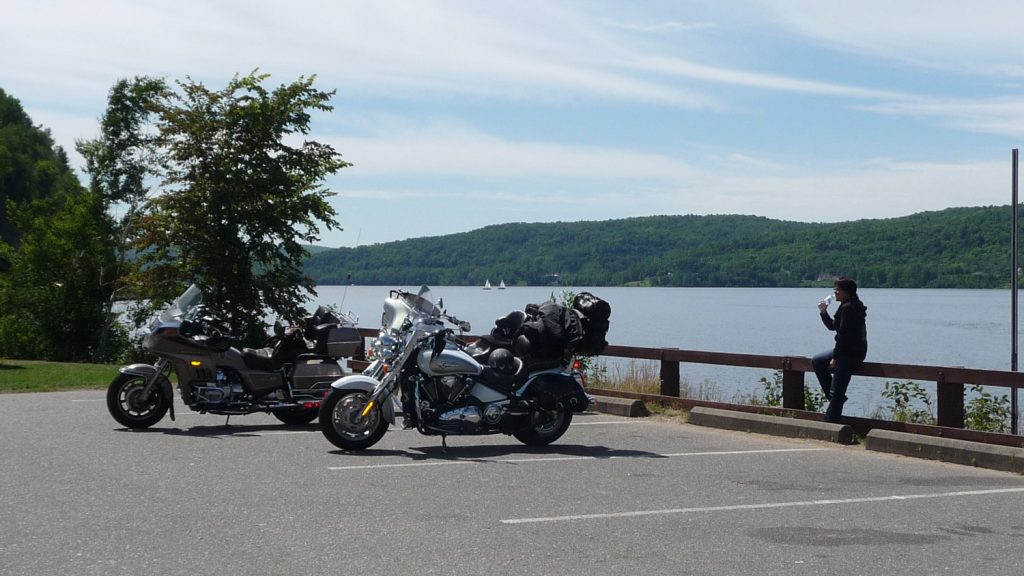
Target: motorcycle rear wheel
x=127 y=405
x=342 y=422
x=544 y=430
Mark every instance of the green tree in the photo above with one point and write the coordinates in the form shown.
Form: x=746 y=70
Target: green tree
x=241 y=197
x=31 y=165
x=52 y=298
x=123 y=165
x=53 y=236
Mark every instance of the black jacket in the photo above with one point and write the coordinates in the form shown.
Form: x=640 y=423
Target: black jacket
x=850 y=326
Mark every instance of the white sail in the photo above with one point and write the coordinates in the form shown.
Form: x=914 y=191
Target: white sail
x=487 y=284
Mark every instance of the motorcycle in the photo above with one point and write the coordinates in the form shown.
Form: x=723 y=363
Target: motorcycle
x=441 y=385
x=287 y=378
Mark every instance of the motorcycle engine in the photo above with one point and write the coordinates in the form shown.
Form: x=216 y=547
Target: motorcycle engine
x=227 y=389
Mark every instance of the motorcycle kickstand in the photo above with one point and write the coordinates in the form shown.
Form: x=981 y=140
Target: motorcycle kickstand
x=444 y=444
x=226 y=425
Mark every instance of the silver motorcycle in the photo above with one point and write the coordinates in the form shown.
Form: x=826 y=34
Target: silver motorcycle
x=423 y=371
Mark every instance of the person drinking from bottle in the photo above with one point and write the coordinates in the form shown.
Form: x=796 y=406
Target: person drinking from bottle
x=835 y=367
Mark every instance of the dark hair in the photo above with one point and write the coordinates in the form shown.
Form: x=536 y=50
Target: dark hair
x=846 y=285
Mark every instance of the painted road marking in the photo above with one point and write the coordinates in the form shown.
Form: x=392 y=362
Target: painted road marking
x=770 y=505
x=456 y=462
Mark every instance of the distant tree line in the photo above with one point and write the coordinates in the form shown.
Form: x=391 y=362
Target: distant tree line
x=953 y=248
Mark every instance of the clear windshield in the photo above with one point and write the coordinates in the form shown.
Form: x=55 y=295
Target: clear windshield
x=423 y=301
x=183 y=304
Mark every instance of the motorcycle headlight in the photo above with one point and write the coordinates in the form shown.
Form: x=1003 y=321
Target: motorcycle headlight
x=384 y=347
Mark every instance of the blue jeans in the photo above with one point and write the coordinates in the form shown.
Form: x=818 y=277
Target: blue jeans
x=834 y=383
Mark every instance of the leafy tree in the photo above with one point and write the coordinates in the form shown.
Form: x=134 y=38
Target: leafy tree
x=53 y=296
x=31 y=165
x=240 y=197
x=123 y=165
x=55 y=241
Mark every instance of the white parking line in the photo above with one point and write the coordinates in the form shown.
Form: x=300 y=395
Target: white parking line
x=455 y=462
x=634 y=421
x=769 y=505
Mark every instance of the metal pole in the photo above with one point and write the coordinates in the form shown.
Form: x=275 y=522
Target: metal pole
x=1013 y=300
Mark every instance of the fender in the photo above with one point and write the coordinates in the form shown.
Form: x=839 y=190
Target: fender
x=550 y=389
x=364 y=383
x=148 y=371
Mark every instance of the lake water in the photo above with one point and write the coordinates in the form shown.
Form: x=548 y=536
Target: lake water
x=969 y=328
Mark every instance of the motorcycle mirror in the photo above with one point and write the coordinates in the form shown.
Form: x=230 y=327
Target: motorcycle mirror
x=464 y=326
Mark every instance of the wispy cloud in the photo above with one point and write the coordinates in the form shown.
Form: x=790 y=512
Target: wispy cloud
x=450 y=148
x=1004 y=115
x=660 y=107
x=980 y=37
x=658 y=26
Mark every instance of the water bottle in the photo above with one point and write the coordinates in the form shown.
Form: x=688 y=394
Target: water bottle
x=826 y=300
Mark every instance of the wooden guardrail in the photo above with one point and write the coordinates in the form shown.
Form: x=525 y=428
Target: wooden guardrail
x=949 y=380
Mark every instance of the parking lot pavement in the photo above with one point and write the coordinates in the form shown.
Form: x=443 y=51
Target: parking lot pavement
x=80 y=495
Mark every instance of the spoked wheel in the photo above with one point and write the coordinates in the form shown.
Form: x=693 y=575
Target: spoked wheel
x=296 y=416
x=131 y=406
x=545 y=426
x=342 y=421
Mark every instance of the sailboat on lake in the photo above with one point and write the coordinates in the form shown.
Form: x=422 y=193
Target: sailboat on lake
x=487 y=284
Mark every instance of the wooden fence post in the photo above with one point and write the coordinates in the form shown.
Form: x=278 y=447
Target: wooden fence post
x=950 y=403
x=792 y=386
x=669 y=377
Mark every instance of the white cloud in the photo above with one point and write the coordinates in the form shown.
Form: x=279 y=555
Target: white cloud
x=981 y=36
x=454 y=149
x=1004 y=115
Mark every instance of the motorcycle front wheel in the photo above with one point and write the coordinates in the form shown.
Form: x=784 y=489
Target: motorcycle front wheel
x=342 y=422
x=545 y=428
x=131 y=406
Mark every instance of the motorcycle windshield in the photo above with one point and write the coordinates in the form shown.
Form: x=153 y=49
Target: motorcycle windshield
x=423 y=302
x=181 y=306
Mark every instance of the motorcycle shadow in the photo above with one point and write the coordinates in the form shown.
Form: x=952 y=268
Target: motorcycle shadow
x=218 y=431
x=489 y=453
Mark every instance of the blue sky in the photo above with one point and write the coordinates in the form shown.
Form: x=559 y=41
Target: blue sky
x=461 y=114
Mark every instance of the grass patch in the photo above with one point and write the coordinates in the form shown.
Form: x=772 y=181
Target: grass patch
x=34 y=376
x=662 y=412
x=643 y=376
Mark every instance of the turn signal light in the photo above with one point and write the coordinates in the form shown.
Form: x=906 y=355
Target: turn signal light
x=196 y=363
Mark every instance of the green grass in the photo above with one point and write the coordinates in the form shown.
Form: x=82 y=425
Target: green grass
x=33 y=376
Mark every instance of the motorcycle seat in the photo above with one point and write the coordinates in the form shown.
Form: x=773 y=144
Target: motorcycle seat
x=259 y=359
x=505 y=381
x=508 y=324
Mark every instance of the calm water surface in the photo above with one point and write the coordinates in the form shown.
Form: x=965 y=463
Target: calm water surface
x=969 y=328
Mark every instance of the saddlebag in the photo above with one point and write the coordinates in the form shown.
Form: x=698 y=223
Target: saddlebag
x=343 y=341
x=315 y=375
x=594 y=314
x=549 y=390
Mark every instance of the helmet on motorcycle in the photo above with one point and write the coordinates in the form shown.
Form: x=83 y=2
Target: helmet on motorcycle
x=503 y=361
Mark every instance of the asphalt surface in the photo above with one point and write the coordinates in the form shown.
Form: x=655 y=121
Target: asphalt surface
x=79 y=495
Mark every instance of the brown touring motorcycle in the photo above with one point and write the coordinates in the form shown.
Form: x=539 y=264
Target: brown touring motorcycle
x=288 y=378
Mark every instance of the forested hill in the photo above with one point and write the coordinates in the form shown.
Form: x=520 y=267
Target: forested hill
x=953 y=248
